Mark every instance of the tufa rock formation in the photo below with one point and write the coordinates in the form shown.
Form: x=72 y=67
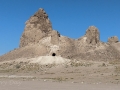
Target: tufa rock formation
x=113 y=39
x=55 y=37
x=89 y=41
x=37 y=27
x=39 y=39
x=92 y=35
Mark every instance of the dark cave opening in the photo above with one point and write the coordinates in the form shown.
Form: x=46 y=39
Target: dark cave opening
x=53 y=54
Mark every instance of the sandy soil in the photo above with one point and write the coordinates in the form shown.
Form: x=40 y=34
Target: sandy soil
x=49 y=85
x=73 y=75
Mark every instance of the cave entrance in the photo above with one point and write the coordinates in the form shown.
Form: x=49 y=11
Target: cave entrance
x=53 y=54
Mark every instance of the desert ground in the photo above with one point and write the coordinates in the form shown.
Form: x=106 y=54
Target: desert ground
x=50 y=85
x=33 y=74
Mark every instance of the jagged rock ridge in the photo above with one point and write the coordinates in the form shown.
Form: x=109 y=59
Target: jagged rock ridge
x=39 y=39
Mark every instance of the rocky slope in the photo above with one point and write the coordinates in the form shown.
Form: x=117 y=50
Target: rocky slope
x=39 y=39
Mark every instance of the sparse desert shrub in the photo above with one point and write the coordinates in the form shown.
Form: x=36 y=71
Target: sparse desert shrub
x=78 y=63
x=103 y=64
x=10 y=64
x=17 y=66
x=114 y=62
x=21 y=62
x=117 y=69
x=60 y=79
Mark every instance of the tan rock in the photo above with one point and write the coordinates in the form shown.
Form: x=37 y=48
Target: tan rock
x=39 y=39
x=92 y=35
x=37 y=27
x=113 y=39
x=55 y=37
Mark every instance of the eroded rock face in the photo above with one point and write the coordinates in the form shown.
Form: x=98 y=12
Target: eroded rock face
x=92 y=35
x=55 y=37
x=37 y=27
x=67 y=47
x=39 y=39
x=113 y=39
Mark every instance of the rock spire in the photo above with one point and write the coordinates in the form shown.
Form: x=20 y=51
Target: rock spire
x=93 y=36
x=37 y=27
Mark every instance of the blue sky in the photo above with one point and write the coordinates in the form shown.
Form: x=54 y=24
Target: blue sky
x=70 y=17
